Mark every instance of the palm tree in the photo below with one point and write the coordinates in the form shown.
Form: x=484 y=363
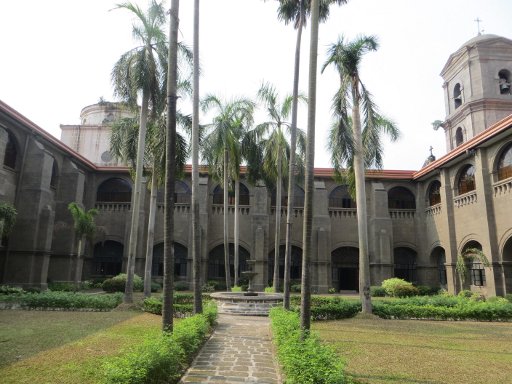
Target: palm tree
x=170 y=169
x=348 y=145
x=123 y=146
x=84 y=229
x=297 y=12
x=196 y=229
x=141 y=69
x=276 y=152
x=222 y=149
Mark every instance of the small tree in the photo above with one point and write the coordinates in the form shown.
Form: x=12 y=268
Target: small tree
x=84 y=229
x=7 y=219
x=466 y=256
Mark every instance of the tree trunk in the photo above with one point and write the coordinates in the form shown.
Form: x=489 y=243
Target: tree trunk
x=170 y=170
x=292 y=169
x=237 y=230
x=196 y=228
x=132 y=248
x=362 y=228
x=151 y=233
x=279 y=187
x=226 y=208
x=79 y=262
x=305 y=305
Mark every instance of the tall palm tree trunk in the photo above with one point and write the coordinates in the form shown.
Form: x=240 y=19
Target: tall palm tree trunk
x=151 y=233
x=226 y=207
x=170 y=170
x=79 y=262
x=237 y=230
x=196 y=229
x=277 y=241
x=132 y=248
x=364 y=261
x=292 y=169
x=305 y=305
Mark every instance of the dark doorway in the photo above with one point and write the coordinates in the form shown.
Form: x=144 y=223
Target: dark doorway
x=345 y=269
x=348 y=279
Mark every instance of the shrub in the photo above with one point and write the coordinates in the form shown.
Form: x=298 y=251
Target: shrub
x=8 y=290
x=303 y=361
x=269 y=289
x=236 y=288
x=181 y=286
x=508 y=296
x=336 y=309
x=376 y=291
x=118 y=283
x=465 y=293
x=65 y=300
x=332 y=290
x=295 y=288
x=183 y=304
x=395 y=287
x=425 y=290
x=62 y=286
x=162 y=358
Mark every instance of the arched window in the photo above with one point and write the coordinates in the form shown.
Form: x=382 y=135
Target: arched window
x=180 y=260
x=218 y=195
x=434 y=193
x=459 y=137
x=114 y=190
x=457 y=95
x=108 y=258
x=401 y=198
x=405 y=264
x=439 y=258
x=340 y=198
x=10 y=152
x=507 y=265
x=298 y=199
x=504 y=81
x=182 y=193
x=475 y=266
x=216 y=265
x=295 y=265
x=505 y=163
x=466 y=182
x=55 y=175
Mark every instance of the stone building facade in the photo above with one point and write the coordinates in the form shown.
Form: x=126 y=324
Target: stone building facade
x=418 y=221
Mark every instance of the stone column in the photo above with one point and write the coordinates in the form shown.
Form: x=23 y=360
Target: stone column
x=260 y=229
x=321 y=258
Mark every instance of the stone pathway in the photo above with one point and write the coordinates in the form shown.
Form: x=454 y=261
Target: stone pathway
x=239 y=351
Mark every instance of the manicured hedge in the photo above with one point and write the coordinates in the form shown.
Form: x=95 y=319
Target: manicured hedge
x=64 y=300
x=303 y=361
x=183 y=304
x=329 y=308
x=164 y=358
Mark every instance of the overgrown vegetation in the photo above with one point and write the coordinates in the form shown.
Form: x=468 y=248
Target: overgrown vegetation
x=468 y=256
x=162 y=358
x=303 y=361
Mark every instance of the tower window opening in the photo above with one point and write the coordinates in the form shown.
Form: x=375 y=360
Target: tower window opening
x=457 y=95
x=459 y=137
x=504 y=82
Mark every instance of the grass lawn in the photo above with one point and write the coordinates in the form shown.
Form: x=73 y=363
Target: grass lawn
x=66 y=347
x=410 y=351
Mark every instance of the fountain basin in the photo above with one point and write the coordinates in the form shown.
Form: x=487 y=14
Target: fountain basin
x=236 y=303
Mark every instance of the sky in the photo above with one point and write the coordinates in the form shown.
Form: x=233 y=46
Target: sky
x=57 y=57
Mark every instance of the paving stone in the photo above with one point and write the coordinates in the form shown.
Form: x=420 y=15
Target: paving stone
x=239 y=351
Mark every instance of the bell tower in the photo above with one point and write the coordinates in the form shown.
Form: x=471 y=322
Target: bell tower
x=477 y=87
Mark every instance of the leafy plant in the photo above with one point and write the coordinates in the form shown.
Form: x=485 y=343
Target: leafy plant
x=269 y=290
x=332 y=290
x=467 y=256
x=377 y=291
x=398 y=287
x=7 y=218
x=64 y=300
x=236 y=288
x=118 y=283
x=180 y=286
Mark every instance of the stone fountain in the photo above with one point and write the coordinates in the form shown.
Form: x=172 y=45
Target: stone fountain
x=247 y=303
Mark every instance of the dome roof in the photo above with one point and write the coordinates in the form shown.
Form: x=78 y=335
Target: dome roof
x=481 y=38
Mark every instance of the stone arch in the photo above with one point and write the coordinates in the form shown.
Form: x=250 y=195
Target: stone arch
x=404 y=263
x=457 y=95
x=475 y=267
x=459 y=136
x=504 y=80
x=466 y=179
x=298 y=197
x=218 y=195
x=180 y=260
x=216 y=263
x=506 y=257
x=295 y=267
x=340 y=197
x=434 y=193
x=114 y=190
x=108 y=258
x=11 y=151
x=401 y=198
x=345 y=268
x=503 y=162
x=438 y=258
x=182 y=193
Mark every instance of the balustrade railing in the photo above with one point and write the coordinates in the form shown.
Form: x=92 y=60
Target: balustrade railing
x=503 y=187
x=343 y=213
x=465 y=199
x=433 y=210
x=401 y=214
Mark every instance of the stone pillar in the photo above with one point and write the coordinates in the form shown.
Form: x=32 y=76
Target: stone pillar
x=380 y=236
x=260 y=229
x=321 y=258
x=30 y=242
x=204 y=206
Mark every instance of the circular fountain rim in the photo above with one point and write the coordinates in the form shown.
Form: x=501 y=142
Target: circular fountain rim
x=239 y=296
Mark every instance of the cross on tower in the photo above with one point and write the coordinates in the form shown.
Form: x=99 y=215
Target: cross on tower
x=478 y=21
